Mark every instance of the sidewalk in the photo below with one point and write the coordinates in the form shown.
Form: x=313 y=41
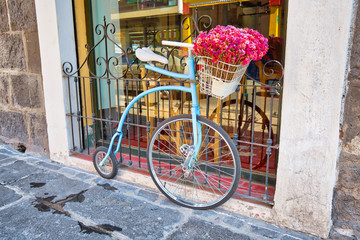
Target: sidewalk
x=45 y=200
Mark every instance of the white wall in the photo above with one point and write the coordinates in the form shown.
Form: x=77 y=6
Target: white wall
x=316 y=56
x=57 y=45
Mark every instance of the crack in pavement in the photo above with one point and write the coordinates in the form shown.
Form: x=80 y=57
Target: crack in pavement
x=46 y=205
x=107 y=186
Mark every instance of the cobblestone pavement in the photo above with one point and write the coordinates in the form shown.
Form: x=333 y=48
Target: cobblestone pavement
x=41 y=199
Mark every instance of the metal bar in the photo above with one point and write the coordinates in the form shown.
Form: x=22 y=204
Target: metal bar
x=93 y=110
x=107 y=65
x=182 y=100
x=101 y=114
x=118 y=99
x=86 y=120
x=221 y=114
x=140 y=125
x=76 y=80
x=128 y=119
x=138 y=122
x=157 y=119
x=254 y=198
x=158 y=104
x=170 y=104
x=110 y=114
x=148 y=124
x=236 y=136
x=269 y=143
x=133 y=129
x=71 y=120
x=257 y=144
x=252 y=139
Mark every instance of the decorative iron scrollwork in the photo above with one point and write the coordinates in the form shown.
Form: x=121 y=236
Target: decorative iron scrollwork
x=126 y=65
x=186 y=25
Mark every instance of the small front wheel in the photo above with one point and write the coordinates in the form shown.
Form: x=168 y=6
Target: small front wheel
x=214 y=173
x=110 y=166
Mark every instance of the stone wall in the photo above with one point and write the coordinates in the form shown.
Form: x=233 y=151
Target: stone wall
x=22 y=113
x=346 y=211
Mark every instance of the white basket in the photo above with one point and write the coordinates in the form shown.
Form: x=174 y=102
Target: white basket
x=219 y=79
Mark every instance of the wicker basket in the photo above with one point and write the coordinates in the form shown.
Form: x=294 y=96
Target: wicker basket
x=219 y=79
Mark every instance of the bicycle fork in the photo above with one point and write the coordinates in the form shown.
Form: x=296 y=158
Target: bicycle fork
x=190 y=152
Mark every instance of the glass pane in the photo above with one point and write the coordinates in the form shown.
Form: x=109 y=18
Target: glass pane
x=134 y=5
x=250 y=117
x=105 y=50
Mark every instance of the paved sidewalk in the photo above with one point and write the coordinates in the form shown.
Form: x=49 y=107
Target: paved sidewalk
x=45 y=200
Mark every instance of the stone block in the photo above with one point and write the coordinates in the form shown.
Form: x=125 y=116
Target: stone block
x=12 y=55
x=53 y=166
x=287 y=237
x=151 y=196
x=264 y=232
x=346 y=201
x=346 y=211
x=42 y=183
x=138 y=219
x=8 y=150
x=235 y=222
x=8 y=196
x=27 y=91
x=339 y=236
x=18 y=170
x=4 y=90
x=38 y=131
x=349 y=172
x=22 y=14
x=3 y=156
x=199 y=229
x=13 y=126
x=354 y=75
x=7 y=161
x=33 y=52
x=4 y=20
x=39 y=222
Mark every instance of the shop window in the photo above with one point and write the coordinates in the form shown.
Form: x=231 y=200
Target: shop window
x=112 y=76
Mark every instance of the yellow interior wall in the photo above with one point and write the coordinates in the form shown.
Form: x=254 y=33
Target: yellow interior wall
x=81 y=36
x=275 y=21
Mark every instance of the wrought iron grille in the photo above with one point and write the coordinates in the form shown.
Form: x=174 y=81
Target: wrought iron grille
x=101 y=88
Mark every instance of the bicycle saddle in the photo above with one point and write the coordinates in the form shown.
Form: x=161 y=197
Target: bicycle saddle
x=146 y=55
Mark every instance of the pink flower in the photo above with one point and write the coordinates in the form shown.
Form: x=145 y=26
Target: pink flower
x=231 y=45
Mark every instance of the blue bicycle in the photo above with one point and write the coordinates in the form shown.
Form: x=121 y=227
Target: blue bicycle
x=191 y=159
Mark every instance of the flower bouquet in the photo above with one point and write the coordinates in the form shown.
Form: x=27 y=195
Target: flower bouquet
x=223 y=55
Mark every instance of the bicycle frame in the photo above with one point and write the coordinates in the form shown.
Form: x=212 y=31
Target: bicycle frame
x=195 y=109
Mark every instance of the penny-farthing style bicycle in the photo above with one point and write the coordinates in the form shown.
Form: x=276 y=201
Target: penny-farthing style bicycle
x=191 y=159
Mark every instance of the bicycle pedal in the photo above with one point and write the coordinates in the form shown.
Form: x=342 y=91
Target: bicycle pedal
x=187 y=150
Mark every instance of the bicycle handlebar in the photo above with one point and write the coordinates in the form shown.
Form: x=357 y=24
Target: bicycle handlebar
x=177 y=44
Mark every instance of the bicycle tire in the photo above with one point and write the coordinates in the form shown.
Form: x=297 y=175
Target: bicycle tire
x=111 y=163
x=213 y=184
